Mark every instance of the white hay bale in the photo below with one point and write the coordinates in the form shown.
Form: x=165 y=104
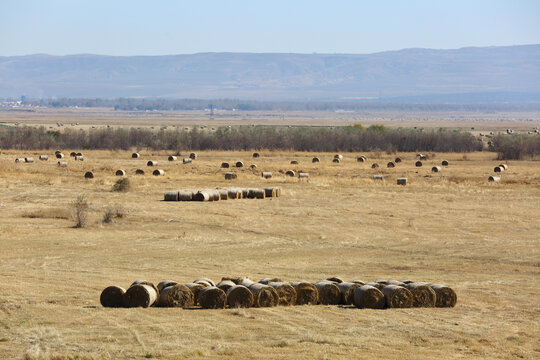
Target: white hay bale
x=158 y=172
x=436 y=169
x=120 y=172
x=62 y=164
x=187 y=160
x=135 y=155
x=43 y=157
x=266 y=174
x=498 y=169
x=494 y=179
x=59 y=155
x=230 y=176
x=303 y=175
x=28 y=159
x=172 y=158
x=504 y=166
x=151 y=163
x=377 y=177
x=402 y=181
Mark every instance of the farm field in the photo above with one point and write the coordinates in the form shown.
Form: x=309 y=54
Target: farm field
x=451 y=227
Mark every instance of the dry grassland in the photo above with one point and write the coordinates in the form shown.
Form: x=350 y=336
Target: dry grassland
x=453 y=227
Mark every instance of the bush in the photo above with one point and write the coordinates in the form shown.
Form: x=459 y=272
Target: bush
x=122 y=185
x=80 y=211
x=112 y=213
x=516 y=147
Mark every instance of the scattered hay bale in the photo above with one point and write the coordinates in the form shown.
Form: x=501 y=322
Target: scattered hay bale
x=423 y=157
x=253 y=166
x=290 y=173
x=151 y=163
x=239 y=164
x=347 y=290
x=445 y=296
x=266 y=281
x=139 y=172
x=368 y=297
x=338 y=156
x=212 y=297
x=186 y=161
x=335 y=279
x=264 y=295
x=390 y=165
x=423 y=294
x=171 y=196
x=59 y=155
x=444 y=163
x=79 y=158
x=498 y=169
x=225 y=285
x=294 y=162
x=397 y=160
x=397 y=296
x=195 y=290
x=140 y=295
x=172 y=158
x=361 y=159
x=112 y=296
x=177 y=295
x=210 y=282
x=165 y=283
x=378 y=177
x=329 y=293
x=418 y=164
x=374 y=165
x=135 y=155
x=315 y=160
x=402 y=181
x=230 y=176
x=285 y=291
x=239 y=296
x=120 y=172
x=436 y=169
x=335 y=160
x=256 y=155
x=224 y=165
x=62 y=164
x=266 y=174
x=43 y=157
x=158 y=172
x=28 y=159
x=88 y=175
x=19 y=160
x=494 y=179
x=73 y=154
x=504 y=166
x=193 y=156
x=306 y=293
x=185 y=195
x=303 y=175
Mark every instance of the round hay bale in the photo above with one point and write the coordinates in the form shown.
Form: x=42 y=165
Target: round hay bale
x=402 y=181
x=165 y=283
x=335 y=279
x=235 y=279
x=62 y=164
x=73 y=154
x=335 y=160
x=28 y=159
x=269 y=192
x=303 y=175
x=436 y=169
x=186 y=161
x=315 y=160
x=79 y=158
x=378 y=177
x=498 y=169
x=418 y=164
x=212 y=297
x=329 y=293
x=144 y=282
x=338 y=156
x=390 y=165
x=361 y=159
x=202 y=196
x=193 y=156
x=225 y=285
x=444 y=163
x=233 y=194
x=504 y=166
x=423 y=294
x=266 y=174
x=245 y=193
x=374 y=165
x=290 y=173
x=172 y=158
x=423 y=157
x=224 y=194
x=347 y=290
x=230 y=176
x=185 y=195
x=171 y=196
x=306 y=293
x=256 y=155
x=139 y=172
x=397 y=160
x=285 y=291
x=294 y=162
x=239 y=164
x=256 y=194
x=445 y=296
x=112 y=296
x=135 y=155
x=59 y=155
x=19 y=160
x=264 y=295
x=407 y=281
x=225 y=165
x=246 y=282
x=266 y=281
x=384 y=282
x=88 y=175
x=158 y=172
x=358 y=282
x=57 y=152
x=151 y=163
x=377 y=285
x=43 y=157
x=395 y=282
x=253 y=166
x=140 y=295
x=397 y=296
x=239 y=296
x=177 y=295
x=368 y=297
x=216 y=195
x=494 y=179
x=210 y=282
x=195 y=289
x=120 y=172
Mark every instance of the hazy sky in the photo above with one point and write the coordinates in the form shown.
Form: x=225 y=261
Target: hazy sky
x=159 y=27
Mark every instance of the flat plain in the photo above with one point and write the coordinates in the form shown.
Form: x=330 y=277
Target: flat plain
x=451 y=227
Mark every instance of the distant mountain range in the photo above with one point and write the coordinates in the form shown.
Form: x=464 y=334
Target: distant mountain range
x=482 y=74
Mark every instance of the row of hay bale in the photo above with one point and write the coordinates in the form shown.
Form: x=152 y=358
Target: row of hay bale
x=241 y=292
x=221 y=194
x=269 y=175
x=192 y=156
x=498 y=169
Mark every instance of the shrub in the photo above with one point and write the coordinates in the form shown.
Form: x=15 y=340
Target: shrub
x=80 y=211
x=122 y=185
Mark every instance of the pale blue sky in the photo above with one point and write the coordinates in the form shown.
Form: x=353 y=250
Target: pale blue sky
x=159 y=27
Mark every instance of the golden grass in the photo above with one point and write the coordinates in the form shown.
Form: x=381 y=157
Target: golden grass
x=452 y=227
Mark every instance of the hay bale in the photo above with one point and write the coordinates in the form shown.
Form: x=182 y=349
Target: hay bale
x=112 y=296
x=139 y=172
x=230 y=176
x=347 y=290
x=186 y=161
x=234 y=194
x=266 y=281
x=269 y=192
x=377 y=285
x=62 y=164
x=306 y=293
x=225 y=285
x=237 y=280
x=28 y=159
x=277 y=191
x=172 y=158
x=239 y=296
x=423 y=294
x=171 y=196
x=253 y=166
x=294 y=162
x=135 y=155
x=361 y=159
x=338 y=156
x=290 y=173
x=494 y=179
x=397 y=160
x=165 y=283
x=144 y=282
x=335 y=160
x=374 y=165
x=158 y=172
x=43 y=157
x=445 y=296
x=239 y=164
x=212 y=297
x=225 y=165
x=177 y=295
x=224 y=194
x=264 y=295
x=335 y=279
x=245 y=193
x=210 y=282
x=423 y=157
x=504 y=166
x=19 y=160
x=407 y=281
x=266 y=174
x=418 y=164
x=329 y=293
x=140 y=295
x=285 y=291
x=358 y=282
x=57 y=152
x=203 y=283
x=79 y=158
x=402 y=181
x=436 y=169
x=73 y=154
x=303 y=175
x=120 y=172
x=395 y=282
x=193 y=156
x=368 y=297
x=59 y=155
x=202 y=196
x=256 y=194
x=88 y=175
x=397 y=296
x=315 y=160
x=195 y=289
x=151 y=163
x=444 y=163
x=246 y=282
x=378 y=177
x=256 y=155
x=390 y=165
x=185 y=195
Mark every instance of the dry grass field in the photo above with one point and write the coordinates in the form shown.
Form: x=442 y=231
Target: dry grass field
x=452 y=227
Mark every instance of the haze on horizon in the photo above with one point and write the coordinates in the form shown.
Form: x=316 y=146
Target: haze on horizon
x=122 y=27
